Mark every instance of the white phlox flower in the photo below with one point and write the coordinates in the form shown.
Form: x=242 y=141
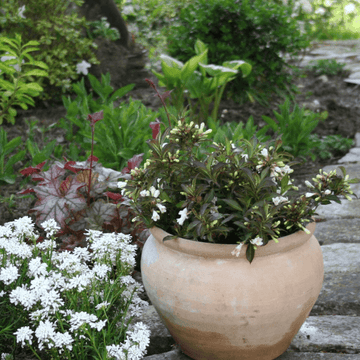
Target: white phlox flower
x=9 y=274
x=82 y=68
x=155 y=216
x=257 y=241
x=237 y=250
x=23 y=296
x=51 y=227
x=183 y=216
x=45 y=333
x=63 y=340
x=37 y=268
x=80 y=318
x=101 y=271
x=102 y=305
x=24 y=334
x=2 y=293
x=279 y=200
x=22 y=227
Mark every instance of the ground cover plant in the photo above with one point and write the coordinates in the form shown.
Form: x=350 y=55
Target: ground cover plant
x=63 y=305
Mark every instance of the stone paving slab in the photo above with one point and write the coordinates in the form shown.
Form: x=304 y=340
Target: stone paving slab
x=340 y=293
x=347 y=209
x=338 y=231
x=328 y=333
x=288 y=355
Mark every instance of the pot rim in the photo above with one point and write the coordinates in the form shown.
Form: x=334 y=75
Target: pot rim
x=211 y=250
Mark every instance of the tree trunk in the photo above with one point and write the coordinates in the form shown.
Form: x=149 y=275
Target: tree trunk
x=108 y=9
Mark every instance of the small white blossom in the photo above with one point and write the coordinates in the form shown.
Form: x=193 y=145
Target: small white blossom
x=264 y=152
x=51 y=227
x=183 y=216
x=24 y=334
x=154 y=192
x=104 y=304
x=257 y=241
x=310 y=194
x=121 y=184
x=144 y=193
x=21 y=11
x=155 y=216
x=309 y=184
x=9 y=274
x=161 y=207
x=327 y=192
x=82 y=68
x=279 y=200
x=237 y=250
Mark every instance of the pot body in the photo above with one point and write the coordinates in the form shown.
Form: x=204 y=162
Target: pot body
x=220 y=307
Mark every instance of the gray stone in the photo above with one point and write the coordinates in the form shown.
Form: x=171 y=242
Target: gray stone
x=338 y=231
x=347 y=209
x=355 y=75
x=357 y=139
x=341 y=258
x=328 y=333
x=170 y=355
x=291 y=355
x=352 y=81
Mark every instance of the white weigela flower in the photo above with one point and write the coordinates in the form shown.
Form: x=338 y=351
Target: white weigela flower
x=161 y=207
x=155 y=216
x=183 y=216
x=82 y=68
x=21 y=11
x=121 y=184
x=144 y=193
x=154 y=192
x=279 y=200
x=309 y=184
x=327 y=192
x=257 y=241
x=237 y=250
x=310 y=194
x=264 y=152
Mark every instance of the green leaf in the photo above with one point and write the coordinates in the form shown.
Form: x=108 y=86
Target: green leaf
x=121 y=92
x=9 y=179
x=32 y=86
x=234 y=204
x=250 y=253
x=39 y=64
x=6 y=68
x=200 y=47
x=36 y=72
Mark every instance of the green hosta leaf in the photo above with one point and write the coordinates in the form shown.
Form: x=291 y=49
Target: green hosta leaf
x=171 y=62
x=191 y=65
x=216 y=70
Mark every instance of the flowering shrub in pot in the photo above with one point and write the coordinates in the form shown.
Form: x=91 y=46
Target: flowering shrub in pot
x=232 y=266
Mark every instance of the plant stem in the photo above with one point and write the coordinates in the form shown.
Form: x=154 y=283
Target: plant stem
x=91 y=159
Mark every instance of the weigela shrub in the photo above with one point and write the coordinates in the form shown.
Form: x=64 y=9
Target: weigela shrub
x=258 y=32
x=224 y=192
x=62 y=43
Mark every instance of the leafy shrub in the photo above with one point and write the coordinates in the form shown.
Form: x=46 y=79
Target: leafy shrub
x=16 y=87
x=122 y=133
x=7 y=157
x=326 y=67
x=199 y=88
x=62 y=43
x=257 y=32
x=330 y=146
x=295 y=128
x=102 y=28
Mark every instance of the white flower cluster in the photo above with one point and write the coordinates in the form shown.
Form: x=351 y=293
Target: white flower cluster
x=51 y=275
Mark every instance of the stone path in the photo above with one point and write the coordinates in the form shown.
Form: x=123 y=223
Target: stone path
x=332 y=331
x=344 y=51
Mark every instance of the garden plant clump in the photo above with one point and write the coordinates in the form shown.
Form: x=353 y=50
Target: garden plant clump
x=222 y=192
x=64 y=305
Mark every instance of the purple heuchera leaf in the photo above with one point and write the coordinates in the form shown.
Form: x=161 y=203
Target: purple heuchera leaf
x=56 y=198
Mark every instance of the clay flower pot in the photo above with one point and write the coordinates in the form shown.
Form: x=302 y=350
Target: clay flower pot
x=218 y=306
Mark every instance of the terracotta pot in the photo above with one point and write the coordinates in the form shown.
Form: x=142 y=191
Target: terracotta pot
x=218 y=306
